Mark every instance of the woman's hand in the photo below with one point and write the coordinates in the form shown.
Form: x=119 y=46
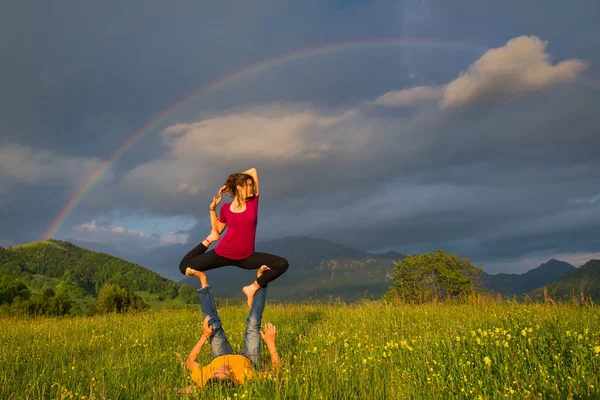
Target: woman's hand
x=217 y=199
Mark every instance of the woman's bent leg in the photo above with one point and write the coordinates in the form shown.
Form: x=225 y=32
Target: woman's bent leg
x=277 y=266
x=202 y=260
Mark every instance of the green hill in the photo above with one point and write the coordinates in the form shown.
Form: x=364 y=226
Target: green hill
x=88 y=269
x=585 y=279
x=80 y=273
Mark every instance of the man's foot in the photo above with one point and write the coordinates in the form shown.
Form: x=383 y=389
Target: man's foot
x=198 y=274
x=262 y=270
x=249 y=291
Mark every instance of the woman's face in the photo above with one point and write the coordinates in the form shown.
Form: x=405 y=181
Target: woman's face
x=248 y=190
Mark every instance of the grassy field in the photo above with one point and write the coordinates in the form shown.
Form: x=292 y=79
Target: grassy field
x=368 y=350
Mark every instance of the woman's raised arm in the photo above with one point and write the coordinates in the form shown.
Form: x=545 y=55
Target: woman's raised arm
x=254 y=174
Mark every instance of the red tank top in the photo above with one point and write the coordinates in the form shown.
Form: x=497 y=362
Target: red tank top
x=238 y=241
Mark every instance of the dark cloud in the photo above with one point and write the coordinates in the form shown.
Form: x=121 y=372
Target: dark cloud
x=497 y=180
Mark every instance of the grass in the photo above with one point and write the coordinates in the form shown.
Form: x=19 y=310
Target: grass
x=37 y=244
x=368 y=350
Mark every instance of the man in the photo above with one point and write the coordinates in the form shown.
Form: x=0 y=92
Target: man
x=227 y=367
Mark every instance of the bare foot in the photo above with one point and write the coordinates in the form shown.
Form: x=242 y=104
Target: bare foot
x=198 y=274
x=249 y=291
x=213 y=236
x=262 y=270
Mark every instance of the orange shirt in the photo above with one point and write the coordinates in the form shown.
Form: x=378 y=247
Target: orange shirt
x=239 y=365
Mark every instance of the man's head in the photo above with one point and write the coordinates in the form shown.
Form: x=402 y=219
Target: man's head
x=223 y=376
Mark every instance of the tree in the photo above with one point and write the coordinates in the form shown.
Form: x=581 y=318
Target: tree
x=428 y=276
x=113 y=298
x=188 y=294
x=10 y=288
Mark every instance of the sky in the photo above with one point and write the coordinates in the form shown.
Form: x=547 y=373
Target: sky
x=381 y=125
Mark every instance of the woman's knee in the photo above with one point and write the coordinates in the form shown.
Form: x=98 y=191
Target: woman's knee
x=283 y=265
x=182 y=266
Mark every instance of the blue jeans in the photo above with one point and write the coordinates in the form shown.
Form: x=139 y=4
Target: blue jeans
x=219 y=344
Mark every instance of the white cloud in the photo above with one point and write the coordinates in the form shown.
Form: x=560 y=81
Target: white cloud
x=120 y=236
x=200 y=155
x=24 y=164
x=410 y=97
x=587 y=200
x=169 y=176
x=520 y=67
x=270 y=133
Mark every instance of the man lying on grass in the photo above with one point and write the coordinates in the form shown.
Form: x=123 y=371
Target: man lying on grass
x=227 y=367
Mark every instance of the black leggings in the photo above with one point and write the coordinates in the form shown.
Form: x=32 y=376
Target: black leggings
x=201 y=260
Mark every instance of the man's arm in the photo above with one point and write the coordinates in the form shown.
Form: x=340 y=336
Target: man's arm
x=269 y=338
x=254 y=174
x=191 y=362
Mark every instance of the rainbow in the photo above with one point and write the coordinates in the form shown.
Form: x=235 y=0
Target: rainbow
x=225 y=80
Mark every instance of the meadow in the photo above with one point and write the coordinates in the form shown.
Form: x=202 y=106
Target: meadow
x=365 y=350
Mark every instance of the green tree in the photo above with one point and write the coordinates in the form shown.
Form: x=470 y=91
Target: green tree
x=113 y=298
x=432 y=276
x=188 y=294
x=11 y=287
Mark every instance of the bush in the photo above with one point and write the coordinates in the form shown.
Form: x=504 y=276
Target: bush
x=427 y=277
x=113 y=298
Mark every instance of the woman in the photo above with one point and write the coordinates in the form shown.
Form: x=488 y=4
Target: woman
x=237 y=246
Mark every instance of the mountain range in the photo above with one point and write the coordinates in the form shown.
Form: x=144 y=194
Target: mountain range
x=319 y=269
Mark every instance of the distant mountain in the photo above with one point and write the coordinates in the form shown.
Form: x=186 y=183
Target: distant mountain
x=585 y=279
x=509 y=284
x=319 y=269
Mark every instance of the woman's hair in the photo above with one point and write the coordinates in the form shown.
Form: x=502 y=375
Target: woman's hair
x=235 y=180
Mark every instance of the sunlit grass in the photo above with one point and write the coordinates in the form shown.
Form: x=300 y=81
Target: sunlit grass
x=40 y=243
x=369 y=350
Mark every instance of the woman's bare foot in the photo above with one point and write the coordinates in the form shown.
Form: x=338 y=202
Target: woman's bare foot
x=198 y=274
x=213 y=236
x=262 y=270
x=249 y=291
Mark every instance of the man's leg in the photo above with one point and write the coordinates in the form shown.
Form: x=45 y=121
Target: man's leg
x=253 y=323
x=219 y=344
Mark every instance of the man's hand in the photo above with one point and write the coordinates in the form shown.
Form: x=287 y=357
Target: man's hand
x=269 y=337
x=269 y=334
x=208 y=330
